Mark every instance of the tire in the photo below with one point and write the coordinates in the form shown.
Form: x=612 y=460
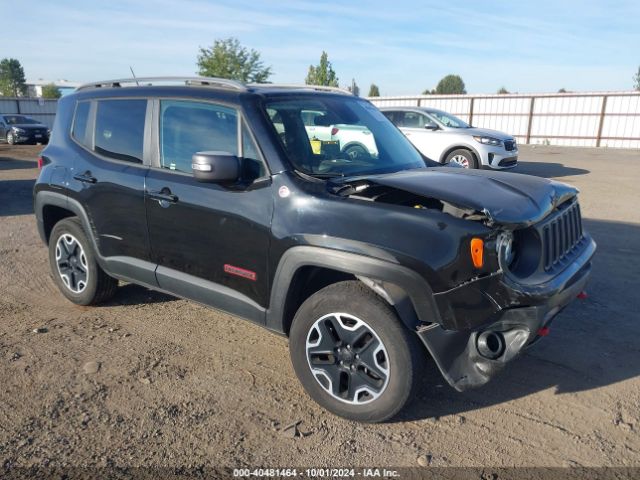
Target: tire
x=462 y=157
x=374 y=325
x=71 y=253
x=356 y=152
x=11 y=140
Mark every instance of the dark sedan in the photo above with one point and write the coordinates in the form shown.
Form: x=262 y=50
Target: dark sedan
x=22 y=129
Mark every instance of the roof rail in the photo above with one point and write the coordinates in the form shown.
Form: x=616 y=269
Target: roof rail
x=146 y=81
x=302 y=87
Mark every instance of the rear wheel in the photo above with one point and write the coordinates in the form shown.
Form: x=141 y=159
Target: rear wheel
x=74 y=267
x=462 y=157
x=352 y=354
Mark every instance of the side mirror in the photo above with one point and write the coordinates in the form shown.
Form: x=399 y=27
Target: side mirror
x=431 y=126
x=215 y=167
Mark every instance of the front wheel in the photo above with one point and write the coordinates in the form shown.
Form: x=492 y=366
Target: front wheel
x=462 y=157
x=352 y=354
x=11 y=140
x=356 y=152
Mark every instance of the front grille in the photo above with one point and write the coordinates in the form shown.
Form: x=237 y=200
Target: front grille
x=561 y=234
x=509 y=145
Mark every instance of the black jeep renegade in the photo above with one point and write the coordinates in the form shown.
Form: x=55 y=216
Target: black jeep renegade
x=226 y=194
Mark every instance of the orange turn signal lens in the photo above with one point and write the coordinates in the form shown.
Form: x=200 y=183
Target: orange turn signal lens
x=477 y=252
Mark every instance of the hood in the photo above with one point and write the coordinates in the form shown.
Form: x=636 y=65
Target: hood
x=484 y=132
x=506 y=198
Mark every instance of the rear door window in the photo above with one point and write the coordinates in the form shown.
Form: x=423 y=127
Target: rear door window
x=119 y=132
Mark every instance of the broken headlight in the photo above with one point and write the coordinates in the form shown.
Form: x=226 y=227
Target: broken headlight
x=505 y=247
x=519 y=252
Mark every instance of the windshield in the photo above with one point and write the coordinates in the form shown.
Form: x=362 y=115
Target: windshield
x=18 y=120
x=448 y=120
x=331 y=136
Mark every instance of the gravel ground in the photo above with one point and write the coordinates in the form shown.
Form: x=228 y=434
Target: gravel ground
x=151 y=380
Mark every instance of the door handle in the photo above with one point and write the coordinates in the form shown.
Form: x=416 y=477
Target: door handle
x=85 y=177
x=164 y=195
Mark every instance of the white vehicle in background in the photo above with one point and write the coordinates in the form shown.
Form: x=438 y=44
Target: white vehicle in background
x=445 y=138
x=355 y=141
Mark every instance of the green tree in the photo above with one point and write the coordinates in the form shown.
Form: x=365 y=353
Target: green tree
x=503 y=91
x=451 y=84
x=51 y=91
x=562 y=90
x=322 y=74
x=636 y=80
x=228 y=59
x=429 y=92
x=12 y=82
x=374 y=91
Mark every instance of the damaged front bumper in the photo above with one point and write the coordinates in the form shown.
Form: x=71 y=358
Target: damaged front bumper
x=510 y=319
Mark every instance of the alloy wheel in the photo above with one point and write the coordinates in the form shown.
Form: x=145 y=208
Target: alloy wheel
x=356 y=152
x=460 y=160
x=347 y=358
x=72 y=263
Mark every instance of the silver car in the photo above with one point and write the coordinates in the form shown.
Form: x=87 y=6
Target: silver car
x=447 y=139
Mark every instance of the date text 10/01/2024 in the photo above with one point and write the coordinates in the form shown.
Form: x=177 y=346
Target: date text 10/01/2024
x=316 y=472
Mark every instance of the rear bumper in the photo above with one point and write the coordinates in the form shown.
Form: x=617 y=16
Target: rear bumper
x=457 y=352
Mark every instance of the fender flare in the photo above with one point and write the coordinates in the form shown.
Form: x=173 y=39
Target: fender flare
x=124 y=268
x=44 y=198
x=398 y=285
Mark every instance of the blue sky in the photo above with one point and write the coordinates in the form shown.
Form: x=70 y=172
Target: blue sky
x=403 y=46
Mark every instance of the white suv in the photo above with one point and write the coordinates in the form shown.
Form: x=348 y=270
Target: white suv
x=356 y=141
x=445 y=138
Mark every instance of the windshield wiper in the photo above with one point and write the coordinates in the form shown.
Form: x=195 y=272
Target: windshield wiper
x=319 y=175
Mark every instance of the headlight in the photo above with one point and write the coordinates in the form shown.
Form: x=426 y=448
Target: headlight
x=19 y=130
x=488 y=141
x=506 y=252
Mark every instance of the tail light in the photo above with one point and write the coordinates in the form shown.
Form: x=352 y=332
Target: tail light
x=544 y=331
x=42 y=161
x=334 y=131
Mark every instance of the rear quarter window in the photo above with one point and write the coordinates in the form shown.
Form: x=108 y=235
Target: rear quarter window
x=119 y=132
x=79 y=129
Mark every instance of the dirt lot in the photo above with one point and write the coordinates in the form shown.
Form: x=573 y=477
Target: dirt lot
x=180 y=385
